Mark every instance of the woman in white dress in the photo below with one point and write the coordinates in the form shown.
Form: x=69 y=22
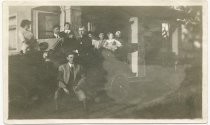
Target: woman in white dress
x=100 y=42
x=117 y=72
x=111 y=43
x=111 y=63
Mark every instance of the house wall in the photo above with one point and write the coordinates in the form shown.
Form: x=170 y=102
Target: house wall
x=72 y=15
x=22 y=12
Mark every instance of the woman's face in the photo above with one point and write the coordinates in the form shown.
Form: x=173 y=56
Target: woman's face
x=118 y=34
x=27 y=27
x=111 y=36
x=101 y=36
x=67 y=27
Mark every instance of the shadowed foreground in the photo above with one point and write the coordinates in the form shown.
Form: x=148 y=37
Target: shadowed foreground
x=163 y=93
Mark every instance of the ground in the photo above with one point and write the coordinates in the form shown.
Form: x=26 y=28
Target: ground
x=163 y=93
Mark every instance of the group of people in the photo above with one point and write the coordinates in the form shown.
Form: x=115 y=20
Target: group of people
x=71 y=75
x=88 y=39
x=87 y=48
x=85 y=42
x=82 y=43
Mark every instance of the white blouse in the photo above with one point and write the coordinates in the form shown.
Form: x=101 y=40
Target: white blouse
x=25 y=35
x=112 y=44
x=97 y=43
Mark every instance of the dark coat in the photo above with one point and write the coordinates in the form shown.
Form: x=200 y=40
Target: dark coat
x=71 y=44
x=60 y=34
x=65 y=35
x=64 y=76
x=85 y=45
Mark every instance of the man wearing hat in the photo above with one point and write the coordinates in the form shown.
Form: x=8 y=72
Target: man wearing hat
x=71 y=80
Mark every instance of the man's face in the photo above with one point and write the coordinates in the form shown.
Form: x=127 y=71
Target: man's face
x=67 y=27
x=90 y=35
x=81 y=32
x=56 y=30
x=70 y=58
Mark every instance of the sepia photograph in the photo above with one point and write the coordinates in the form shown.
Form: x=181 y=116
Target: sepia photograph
x=104 y=62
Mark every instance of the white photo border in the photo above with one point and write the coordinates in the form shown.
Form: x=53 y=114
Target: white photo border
x=5 y=35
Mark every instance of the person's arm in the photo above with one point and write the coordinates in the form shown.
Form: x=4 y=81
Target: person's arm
x=82 y=72
x=118 y=43
x=58 y=43
x=81 y=82
x=61 y=83
x=62 y=34
x=21 y=37
x=105 y=45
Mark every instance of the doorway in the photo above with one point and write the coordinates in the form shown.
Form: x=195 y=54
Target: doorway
x=111 y=19
x=105 y=19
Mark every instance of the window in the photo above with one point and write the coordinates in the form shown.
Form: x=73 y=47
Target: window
x=165 y=30
x=13 y=32
x=46 y=21
x=44 y=18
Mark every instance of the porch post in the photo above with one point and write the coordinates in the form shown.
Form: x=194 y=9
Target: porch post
x=175 y=41
x=68 y=14
x=62 y=17
x=65 y=16
x=72 y=15
x=134 y=39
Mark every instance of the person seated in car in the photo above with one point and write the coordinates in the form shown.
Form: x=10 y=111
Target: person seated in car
x=59 y=36
x=71 y=43
x=100 y=42
x=67 y=30
x=111 y=43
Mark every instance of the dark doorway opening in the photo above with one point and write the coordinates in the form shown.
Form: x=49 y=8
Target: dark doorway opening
x=106 y=19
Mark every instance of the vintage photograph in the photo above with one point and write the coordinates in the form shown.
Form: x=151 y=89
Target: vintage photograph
x=105 y=62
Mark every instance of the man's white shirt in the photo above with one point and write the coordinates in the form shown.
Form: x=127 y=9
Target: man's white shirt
x=56 y=35
x=67 y=31
x=71 y=65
